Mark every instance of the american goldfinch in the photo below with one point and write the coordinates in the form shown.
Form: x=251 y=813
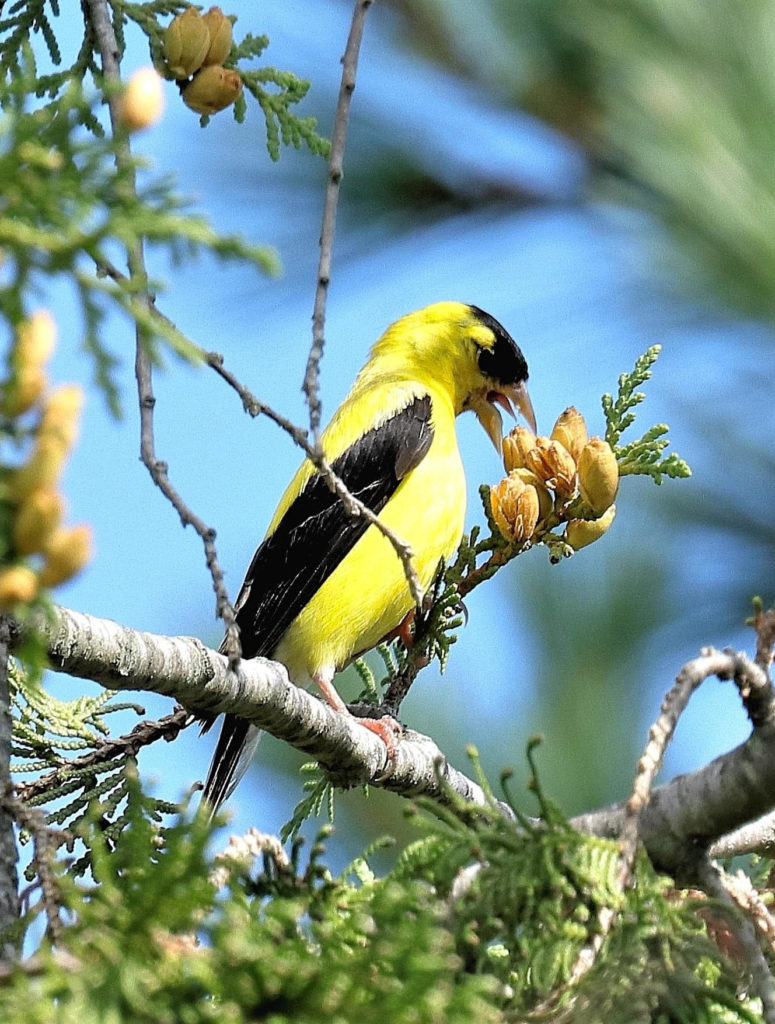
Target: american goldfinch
x=325 y=586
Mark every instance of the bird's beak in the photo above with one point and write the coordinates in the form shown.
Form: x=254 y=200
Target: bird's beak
x=506 y=396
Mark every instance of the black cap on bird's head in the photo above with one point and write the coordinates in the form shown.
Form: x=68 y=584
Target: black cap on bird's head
x=504 y=367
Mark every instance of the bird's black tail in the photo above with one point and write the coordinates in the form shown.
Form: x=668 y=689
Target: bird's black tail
x=233 y=754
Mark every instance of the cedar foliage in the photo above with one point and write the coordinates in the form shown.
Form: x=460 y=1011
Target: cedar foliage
x=165 y=933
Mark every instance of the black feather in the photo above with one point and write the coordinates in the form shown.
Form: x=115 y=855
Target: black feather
x=503 y=362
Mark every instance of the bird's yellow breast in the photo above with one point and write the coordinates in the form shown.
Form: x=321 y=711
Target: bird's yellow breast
x=367 y=595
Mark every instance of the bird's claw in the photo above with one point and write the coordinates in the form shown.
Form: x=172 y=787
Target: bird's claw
x=388 y=730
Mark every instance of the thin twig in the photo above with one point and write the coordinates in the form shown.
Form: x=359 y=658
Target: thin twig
x=335 y=173
x=143 y=734
x=46 y=841
x=9 y=855
x=764 y=624
x=107 y=46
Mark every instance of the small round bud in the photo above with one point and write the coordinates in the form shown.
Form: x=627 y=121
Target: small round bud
x=219 y=30
x=36 y=519
x=570 y=431
x=22 y=390
x=598 y=475
x=18 y=585
x=516 y=444
x=67 y=552
x=186 y=42
x=581 y=532
x=212 y=89
x=40 y=472
x=142 y=102
x=553 y=464
x=35 y=340
x=61 y=415
x=515 y=508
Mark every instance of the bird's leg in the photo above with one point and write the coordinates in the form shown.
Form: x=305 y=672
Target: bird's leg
x=403 y=631
x=387 y=728
x=406 y=629
x=406 y=634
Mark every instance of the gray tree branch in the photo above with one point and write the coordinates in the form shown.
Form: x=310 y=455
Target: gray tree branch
x=696 y=810
x=9 y=879
x=199 y=678
x=692 y=811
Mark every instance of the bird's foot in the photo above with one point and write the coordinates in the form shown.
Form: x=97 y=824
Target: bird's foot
x=388 y=730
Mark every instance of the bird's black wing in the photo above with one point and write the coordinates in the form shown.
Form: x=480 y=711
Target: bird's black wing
x=309 y=542
x=317 y=532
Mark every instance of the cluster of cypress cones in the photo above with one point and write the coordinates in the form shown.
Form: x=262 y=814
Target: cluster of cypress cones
x=546 y=476
x=41 y=551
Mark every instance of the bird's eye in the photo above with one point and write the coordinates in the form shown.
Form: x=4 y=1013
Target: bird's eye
x=485 y=360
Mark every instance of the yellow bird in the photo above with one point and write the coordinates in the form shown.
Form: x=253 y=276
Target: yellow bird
x=324 y=587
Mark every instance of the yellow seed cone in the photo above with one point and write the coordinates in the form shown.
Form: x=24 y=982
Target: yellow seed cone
x=545 y=500
x=219 y=30
x=36 y=519
x=41 y=471
x=186 y=42
x=581 y=532
x=571 y=431
x=212 y=89
x=22 y=391
x=18 y=585
x=553 y=464
x=35 y=340
x=598 y=475
x=68 y=551
x=516 y=444
x=515 y=508
x=61 y=415
x=142 y=102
